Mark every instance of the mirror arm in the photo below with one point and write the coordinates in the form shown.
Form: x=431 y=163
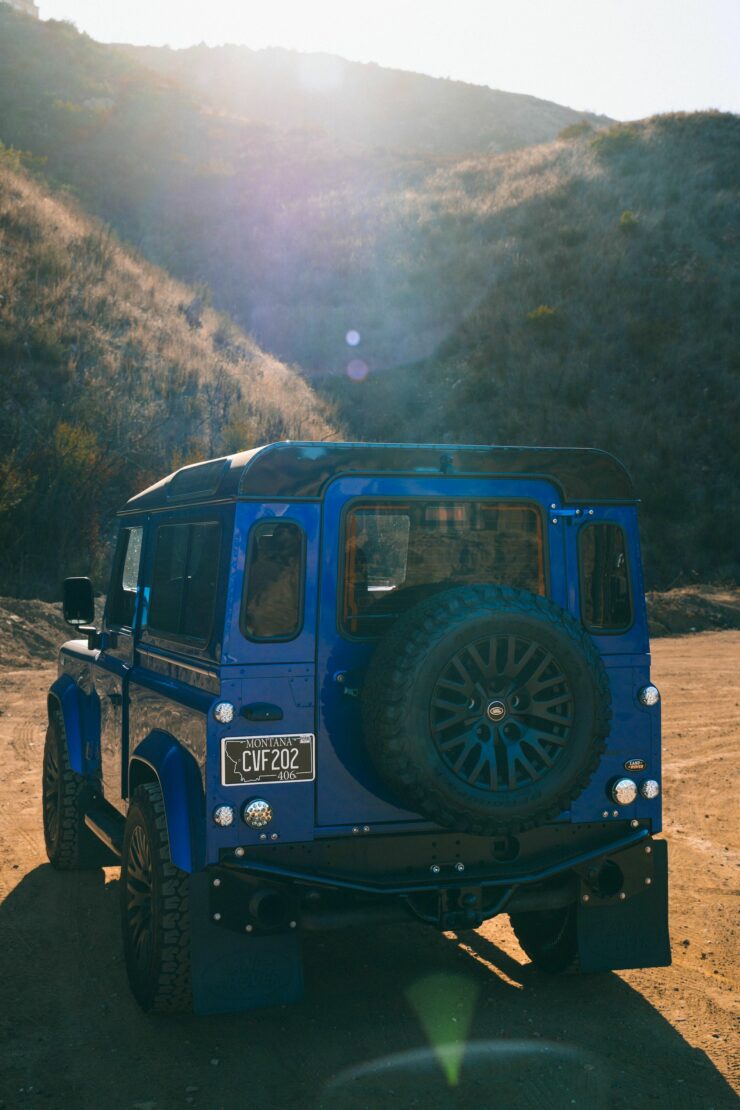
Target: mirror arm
x=93 y=636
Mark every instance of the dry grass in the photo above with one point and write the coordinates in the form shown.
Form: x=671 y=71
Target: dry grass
x=112 y=373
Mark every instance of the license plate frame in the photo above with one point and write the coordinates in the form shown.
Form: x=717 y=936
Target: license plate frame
x=273 y=760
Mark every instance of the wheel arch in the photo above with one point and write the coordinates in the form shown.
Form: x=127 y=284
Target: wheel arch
x=63 y=698
x=161 y=758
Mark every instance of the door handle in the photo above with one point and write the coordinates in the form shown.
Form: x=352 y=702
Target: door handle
x=262 y=711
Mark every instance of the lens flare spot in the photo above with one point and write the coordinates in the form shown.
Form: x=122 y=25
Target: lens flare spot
x=357 y=370
x=444 y=1005
x=352 y=338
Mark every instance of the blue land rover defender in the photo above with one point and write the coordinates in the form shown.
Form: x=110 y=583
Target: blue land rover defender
x=345 y=684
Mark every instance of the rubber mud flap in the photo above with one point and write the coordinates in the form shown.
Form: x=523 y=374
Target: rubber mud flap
x=233 y=973
x=629 y=934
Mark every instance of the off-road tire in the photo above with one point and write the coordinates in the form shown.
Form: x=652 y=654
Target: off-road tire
x=70 y=845
x=399 y=692
x=155 y=913
x=549 y=938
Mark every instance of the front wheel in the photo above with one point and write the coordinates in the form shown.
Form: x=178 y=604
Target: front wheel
x=154 y=909
x=70 y=845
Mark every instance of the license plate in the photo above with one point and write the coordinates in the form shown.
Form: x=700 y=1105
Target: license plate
x=261 y=759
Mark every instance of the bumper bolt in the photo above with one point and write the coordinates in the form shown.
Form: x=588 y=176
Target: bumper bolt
x=239 y=852
x=293 y=924
x=622 y=896
x=263 y=836
x=366 y=828
x=648 y=850
x=435 y=869
x=248 y=928
x=217 y=882
x=615 y=813
x=355 y=830
x=648 y=881
x=459 y=866
x=217 y=917
x=605 y=813
x=634 y=823
x=586 y=898
x=273 y=836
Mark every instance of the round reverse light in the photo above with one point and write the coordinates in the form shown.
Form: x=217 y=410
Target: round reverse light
x=224 y=712
x=223 y=816
x=650 y=789
x=257 y=813
x=649 y=695
x=624 y=792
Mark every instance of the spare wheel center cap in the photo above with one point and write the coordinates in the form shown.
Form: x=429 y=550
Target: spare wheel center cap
x=496 y=710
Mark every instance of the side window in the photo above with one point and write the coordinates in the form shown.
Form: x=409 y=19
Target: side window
x=183 y=594
x=605 y=591
x=272 y=607
x=125 y=582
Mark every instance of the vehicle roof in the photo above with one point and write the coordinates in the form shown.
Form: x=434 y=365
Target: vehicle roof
x=302 y=471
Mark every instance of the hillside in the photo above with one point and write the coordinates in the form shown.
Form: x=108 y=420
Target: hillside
x=300 y=237
x=609 y=319
x=111 y=373
x=361 y=105
x=580 y=291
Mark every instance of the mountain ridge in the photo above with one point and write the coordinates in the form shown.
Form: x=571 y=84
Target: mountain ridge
x=362 y=103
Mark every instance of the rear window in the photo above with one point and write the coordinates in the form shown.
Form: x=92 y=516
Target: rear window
x=606 y=604
x=395 y=553
x=184 y=581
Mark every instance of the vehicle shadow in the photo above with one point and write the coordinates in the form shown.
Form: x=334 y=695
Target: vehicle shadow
x=400 y=1013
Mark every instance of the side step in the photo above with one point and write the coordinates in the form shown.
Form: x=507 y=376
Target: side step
x=106 y=824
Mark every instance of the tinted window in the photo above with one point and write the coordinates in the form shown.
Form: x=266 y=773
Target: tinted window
x=395 y=554
x=605 y=592
x=184 y=581
x=125 y=583
x=273 y=589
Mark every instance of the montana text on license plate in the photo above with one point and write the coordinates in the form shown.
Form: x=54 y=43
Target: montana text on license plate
x=259 y=759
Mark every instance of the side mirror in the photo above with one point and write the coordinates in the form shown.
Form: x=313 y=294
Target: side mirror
x=78 y=604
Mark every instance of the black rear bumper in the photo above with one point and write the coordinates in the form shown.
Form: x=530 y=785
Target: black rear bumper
x=449 y=881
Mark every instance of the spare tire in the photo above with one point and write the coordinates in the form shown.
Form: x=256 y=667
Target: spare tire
x=486 y=709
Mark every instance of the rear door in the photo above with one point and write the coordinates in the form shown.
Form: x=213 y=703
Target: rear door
x=385 y=543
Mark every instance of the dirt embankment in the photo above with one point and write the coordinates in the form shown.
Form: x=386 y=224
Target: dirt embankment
x=32 y=631
x=693 y=609
x=71 y=1037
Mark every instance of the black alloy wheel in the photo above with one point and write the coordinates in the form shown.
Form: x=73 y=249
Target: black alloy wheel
x=155 y=914
x=486 y=709
x=502 y=712
x=138 y=896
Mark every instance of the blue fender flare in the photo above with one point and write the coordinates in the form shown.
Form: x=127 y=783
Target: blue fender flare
x=161 y=757
x=65 y=697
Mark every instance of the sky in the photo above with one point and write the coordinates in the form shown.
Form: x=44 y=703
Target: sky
x=624 y=58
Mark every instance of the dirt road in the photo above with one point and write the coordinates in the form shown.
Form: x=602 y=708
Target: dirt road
x=70 y=1035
